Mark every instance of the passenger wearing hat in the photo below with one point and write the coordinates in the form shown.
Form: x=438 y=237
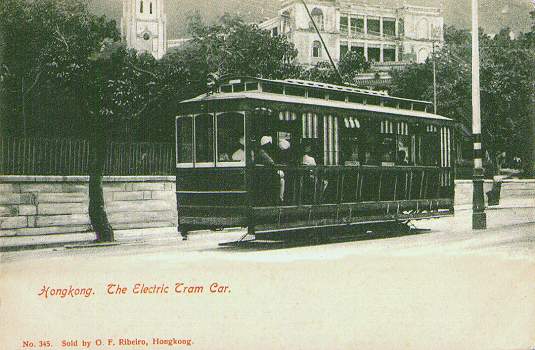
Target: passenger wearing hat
x=263 y=155
x=266 y=142
x=284 y=154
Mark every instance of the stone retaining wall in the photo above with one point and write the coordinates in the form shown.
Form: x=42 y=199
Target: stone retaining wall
x=44 y=205
x=41 y=205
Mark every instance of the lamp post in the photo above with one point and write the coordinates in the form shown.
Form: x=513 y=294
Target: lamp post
x=479 y=217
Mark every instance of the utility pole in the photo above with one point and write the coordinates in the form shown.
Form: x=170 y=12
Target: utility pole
x=434 y=80
x=479 y=217
x=529 y=168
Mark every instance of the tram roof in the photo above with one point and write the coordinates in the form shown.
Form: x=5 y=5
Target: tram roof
x=261 y=94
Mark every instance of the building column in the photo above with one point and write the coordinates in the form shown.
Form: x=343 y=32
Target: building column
x=381 y=26
x=397 y=53
x=397 y=27
x=366 y=50
x=366 y=25
x=382 y=54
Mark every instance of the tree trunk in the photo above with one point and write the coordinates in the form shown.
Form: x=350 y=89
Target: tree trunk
x=97 y=210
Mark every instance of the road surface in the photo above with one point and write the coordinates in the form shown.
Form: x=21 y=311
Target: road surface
x=448 y=288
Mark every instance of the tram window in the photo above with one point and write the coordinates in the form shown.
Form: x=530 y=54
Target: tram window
x=405 y=105
x=184 y=135
x=351 y=149
x=295 y=91
x=251 y=86
x=226 y=88
x=430 y=149
x=388 y=149
x=230 y=138
x=335 y=96
x=373 y=100
x=389 y=103
x=314 y=93
x=404 y=156
x=356 y=98
x=239 y=87
x=331 y=147
x=273 y=88
x=419 y=107
x=204 y=138
x=370 y=153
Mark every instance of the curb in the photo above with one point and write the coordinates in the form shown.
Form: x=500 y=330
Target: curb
x=123 y=237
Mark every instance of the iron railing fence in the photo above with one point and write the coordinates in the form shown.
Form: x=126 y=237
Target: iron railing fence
x=67 y=157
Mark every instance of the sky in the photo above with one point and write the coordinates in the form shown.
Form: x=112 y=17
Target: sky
x=494 y=14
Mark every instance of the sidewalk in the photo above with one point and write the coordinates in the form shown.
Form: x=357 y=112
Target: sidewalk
x=139 y=236
x=508 y=213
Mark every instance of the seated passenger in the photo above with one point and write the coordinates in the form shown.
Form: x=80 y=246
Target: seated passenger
x=264 y=158
x=369 y=160
x=285 y=157
x=308 y=160
x=402 y=158
x=239 y=155
x=354 y=158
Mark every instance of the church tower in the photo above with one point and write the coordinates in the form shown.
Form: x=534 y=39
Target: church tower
x=143 y=26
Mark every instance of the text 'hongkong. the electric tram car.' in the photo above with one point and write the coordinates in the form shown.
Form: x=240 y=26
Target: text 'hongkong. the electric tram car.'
x=283 y=156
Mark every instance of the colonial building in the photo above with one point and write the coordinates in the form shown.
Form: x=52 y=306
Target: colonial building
x=384 y=36
x=143 y=26
x=388 y=37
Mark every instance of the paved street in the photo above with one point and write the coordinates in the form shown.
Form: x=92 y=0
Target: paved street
x=511 y=232
x=447 y=288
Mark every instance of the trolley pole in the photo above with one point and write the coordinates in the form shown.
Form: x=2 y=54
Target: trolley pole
x=479 y=217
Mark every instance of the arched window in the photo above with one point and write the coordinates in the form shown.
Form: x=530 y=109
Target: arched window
x=423 y=55
x=317 y=16
x=316 y=49
x=150 y=9
x=141 y=6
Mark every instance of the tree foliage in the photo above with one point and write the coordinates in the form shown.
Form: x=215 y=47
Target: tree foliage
x=350 y=65
x=59 y=54
x=506 y=86
x=46 y=43
x=234 y=47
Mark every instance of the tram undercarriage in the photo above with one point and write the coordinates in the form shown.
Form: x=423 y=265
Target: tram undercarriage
x=287 y=223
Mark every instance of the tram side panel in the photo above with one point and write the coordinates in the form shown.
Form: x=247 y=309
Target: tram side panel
x=327 y=196
x=211 y=198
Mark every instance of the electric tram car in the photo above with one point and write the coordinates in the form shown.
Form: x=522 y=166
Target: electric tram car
x=281 y=156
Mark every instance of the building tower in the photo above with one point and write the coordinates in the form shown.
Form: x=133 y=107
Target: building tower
x=143 y=26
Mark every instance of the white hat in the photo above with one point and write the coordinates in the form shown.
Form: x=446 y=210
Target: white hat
x=265 y=140
x=242 y=141
x=284 y=144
